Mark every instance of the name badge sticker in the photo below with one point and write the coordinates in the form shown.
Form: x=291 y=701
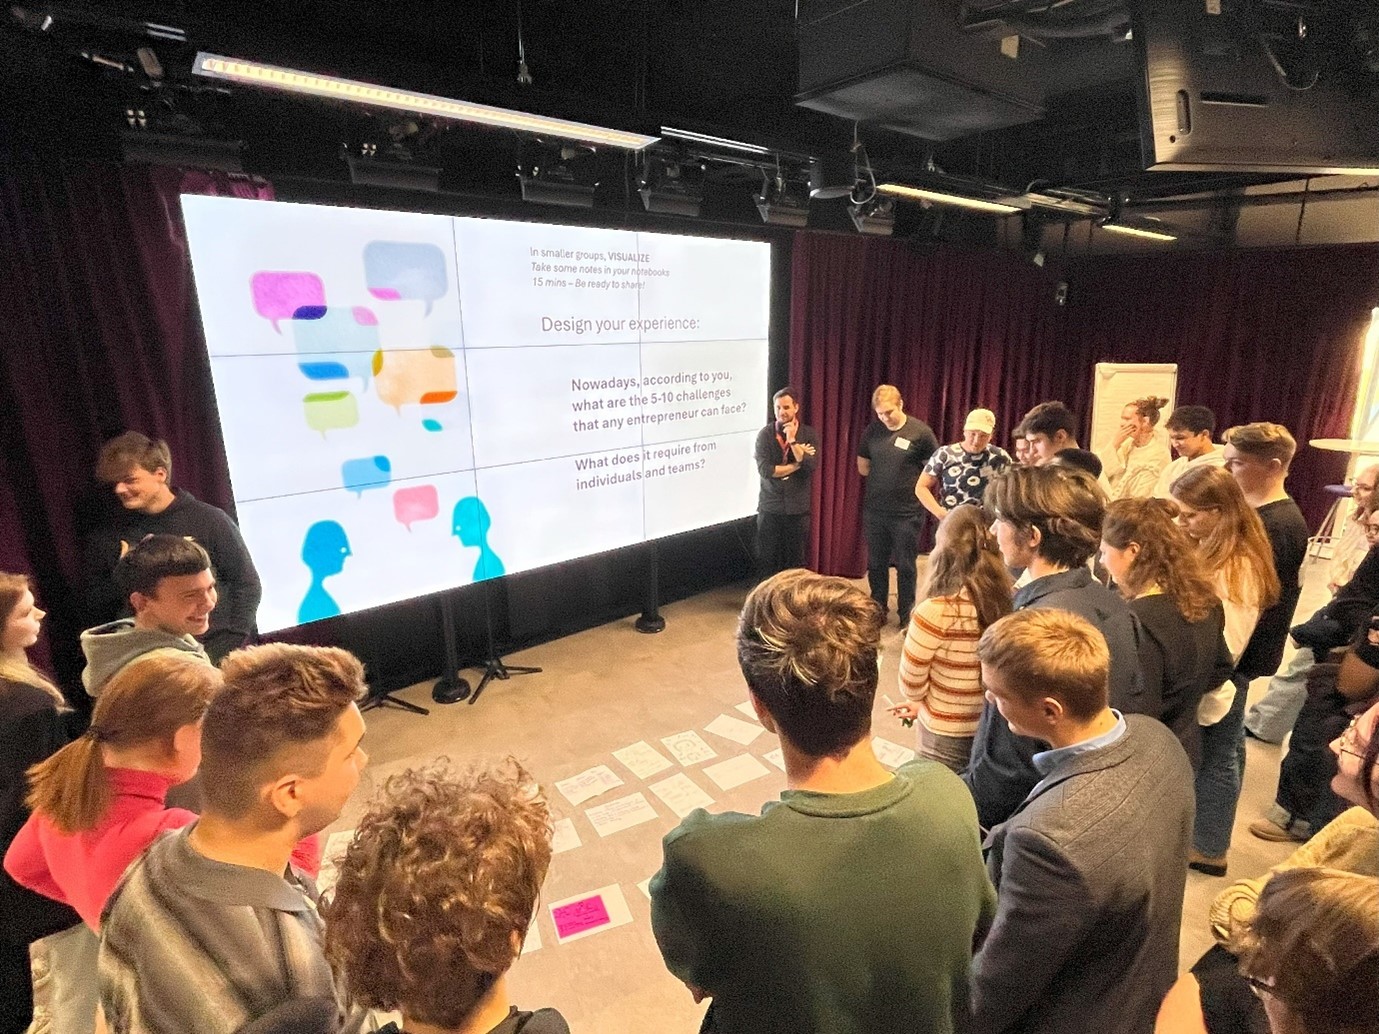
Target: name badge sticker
x=902 y=443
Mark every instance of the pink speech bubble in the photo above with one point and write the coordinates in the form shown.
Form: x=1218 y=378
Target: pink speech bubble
x=278 y=295
x=578 y=916
x=364 y=316
x=418 y=503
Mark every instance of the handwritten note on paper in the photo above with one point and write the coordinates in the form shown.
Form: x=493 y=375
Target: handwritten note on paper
x=892 y=755
x=776 y=757
x=578 y=789
x=734 y=729
x=642 y=759
x=689 y=748
x=736 y=771
x=746 y=708
x=624 y=813
x=681 y=794
x=589 y=913
x=564 y=837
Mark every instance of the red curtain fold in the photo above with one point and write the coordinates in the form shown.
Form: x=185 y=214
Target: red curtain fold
x=102 y=335
x=1258 y=335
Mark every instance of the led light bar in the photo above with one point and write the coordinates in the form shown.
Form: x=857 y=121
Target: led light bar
x=1140 y=231
x=252 y=73
x=940 y=197
x=690 y=136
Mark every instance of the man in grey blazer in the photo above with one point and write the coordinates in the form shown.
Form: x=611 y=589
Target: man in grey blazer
x=1090 y=869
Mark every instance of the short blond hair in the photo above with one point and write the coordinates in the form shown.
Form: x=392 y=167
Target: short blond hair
x=1264 y=441
x=132 y=450
x=886 y=392
x=1044 y=652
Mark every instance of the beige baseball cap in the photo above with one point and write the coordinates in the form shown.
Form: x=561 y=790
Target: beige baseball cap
x=980 y=420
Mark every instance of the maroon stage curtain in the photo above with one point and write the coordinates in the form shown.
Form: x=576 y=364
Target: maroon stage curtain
x=102 y=336
x=1258 y=335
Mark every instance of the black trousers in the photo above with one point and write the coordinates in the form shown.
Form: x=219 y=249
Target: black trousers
x=1304 y=777
x=892 y=541
x=781 y=539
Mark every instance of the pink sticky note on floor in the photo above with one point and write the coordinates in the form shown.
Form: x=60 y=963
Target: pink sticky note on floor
x=579 y=916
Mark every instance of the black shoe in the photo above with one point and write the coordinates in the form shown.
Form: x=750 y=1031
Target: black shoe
x=1205 y=863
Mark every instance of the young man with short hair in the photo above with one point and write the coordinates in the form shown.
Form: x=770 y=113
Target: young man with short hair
x=850 y=904
x=212 y=929
x=1050 y=427
x=1258 y=456
x=140 y=470
x=894 y=449
x=1190 y=433
x=786 y=454
x=171 y=588
x=1048 y=521
x=1089 y=870
x=959 y=473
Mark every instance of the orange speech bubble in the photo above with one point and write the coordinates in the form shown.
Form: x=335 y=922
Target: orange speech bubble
x=425 y=376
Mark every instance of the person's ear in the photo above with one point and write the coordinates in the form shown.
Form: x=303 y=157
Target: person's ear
x=763 y=715
x=1033 y=537
x=161 y=474
x=138 y=601
x=186 y=740
x=285 y=796
x=1052 y=710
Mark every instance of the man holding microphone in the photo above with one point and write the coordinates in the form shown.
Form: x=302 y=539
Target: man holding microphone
x=785 y=453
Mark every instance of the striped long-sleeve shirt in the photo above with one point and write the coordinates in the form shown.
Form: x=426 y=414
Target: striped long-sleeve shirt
x=939 y=670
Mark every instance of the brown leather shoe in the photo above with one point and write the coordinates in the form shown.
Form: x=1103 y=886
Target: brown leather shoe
x=1267 y=829
x=1206 y=863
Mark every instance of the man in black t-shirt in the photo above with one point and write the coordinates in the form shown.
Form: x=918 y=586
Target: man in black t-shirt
x=786 y=452
x=894 y=450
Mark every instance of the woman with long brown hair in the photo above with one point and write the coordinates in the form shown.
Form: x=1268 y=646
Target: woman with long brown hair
x=34 y=721
x=967 y=588
x=1183 y=654
x=1235 y=550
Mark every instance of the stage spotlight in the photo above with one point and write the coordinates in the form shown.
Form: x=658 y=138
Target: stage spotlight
x=876 y=216
x=782 y=203
x=139 y=145
x=671 y=187
x=832 y=176
x=370 y=172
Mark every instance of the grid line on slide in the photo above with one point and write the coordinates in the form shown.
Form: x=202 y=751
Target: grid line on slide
x=293 y=354
x=641 y=374
x=464 y=349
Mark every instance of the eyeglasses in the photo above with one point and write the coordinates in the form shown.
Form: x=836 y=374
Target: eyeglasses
x=1349 y=740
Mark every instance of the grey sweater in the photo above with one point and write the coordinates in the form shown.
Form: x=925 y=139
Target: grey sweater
x=108 y=648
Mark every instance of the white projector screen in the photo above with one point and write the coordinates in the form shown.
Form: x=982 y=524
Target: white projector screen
x=414 y=402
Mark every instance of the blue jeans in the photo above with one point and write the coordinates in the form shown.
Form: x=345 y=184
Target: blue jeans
x=1272 y=718
x=1219 y=777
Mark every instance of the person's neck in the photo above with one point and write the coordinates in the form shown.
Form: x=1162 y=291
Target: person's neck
x=1143 y=438
x=1152 y=589
x=240 y=843
x=1039 y=567
x=139 y=759
x=855 y=771
x=492 y=1009
x=160 y=503
x=1070 y=734
x=1271 y=493
x=1208 y=451
x=16 y=657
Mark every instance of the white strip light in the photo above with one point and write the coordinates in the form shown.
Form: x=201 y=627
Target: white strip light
x=1139 y=231
x=939 y=197
x=252 y=73
x=690 y=136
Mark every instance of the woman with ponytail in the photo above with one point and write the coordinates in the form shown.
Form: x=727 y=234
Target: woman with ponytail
x=1183 y=653
x=1138 y=453
x=34 y=722
x=967 y=588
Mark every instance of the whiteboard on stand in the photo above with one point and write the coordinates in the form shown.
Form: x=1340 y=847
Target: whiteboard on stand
x=1115 y=385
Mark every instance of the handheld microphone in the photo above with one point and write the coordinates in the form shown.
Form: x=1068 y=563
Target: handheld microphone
x=780 y=427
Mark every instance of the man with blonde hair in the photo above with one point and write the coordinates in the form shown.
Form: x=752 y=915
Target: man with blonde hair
x=1090 y=869
x=891 y=457
x=850 y=904
x=212 y=929
x=139 y=469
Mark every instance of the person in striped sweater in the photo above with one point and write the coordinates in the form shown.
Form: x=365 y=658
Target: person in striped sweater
x=968 y=588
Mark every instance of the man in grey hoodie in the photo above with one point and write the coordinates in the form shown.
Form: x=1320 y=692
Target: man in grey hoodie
x=171 y=588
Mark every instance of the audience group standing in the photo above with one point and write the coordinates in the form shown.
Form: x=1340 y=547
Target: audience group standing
x=1087 y=718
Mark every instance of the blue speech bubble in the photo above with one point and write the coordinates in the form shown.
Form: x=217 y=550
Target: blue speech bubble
x=431 y=425
x=341 y=342
x=369 y=472
x=400 y=271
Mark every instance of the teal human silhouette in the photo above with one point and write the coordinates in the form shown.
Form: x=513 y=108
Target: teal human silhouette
x=323 y=551
x=470 y=525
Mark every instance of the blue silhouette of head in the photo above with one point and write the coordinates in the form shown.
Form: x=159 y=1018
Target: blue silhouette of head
x=471 y=521
x=325 y=548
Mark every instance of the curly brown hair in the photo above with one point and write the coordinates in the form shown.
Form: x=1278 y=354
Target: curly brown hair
x=438 y=887
x=1066 y=505
x=1166 y=558
x=807 y=647
x=966 y=556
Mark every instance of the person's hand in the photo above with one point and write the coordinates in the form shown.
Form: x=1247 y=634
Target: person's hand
x=906 y=712
x=801 y=450
x=1122 y=433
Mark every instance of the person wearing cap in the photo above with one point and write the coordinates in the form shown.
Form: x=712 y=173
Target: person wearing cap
x=959 y=473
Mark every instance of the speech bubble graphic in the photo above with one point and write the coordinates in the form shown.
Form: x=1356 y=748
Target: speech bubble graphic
x=401 y=271
x=368 y=472
x=279 y=295
x=424 y=375
x=431 y=425
x=330 y=411
x=418 y=503
x=339 y=343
